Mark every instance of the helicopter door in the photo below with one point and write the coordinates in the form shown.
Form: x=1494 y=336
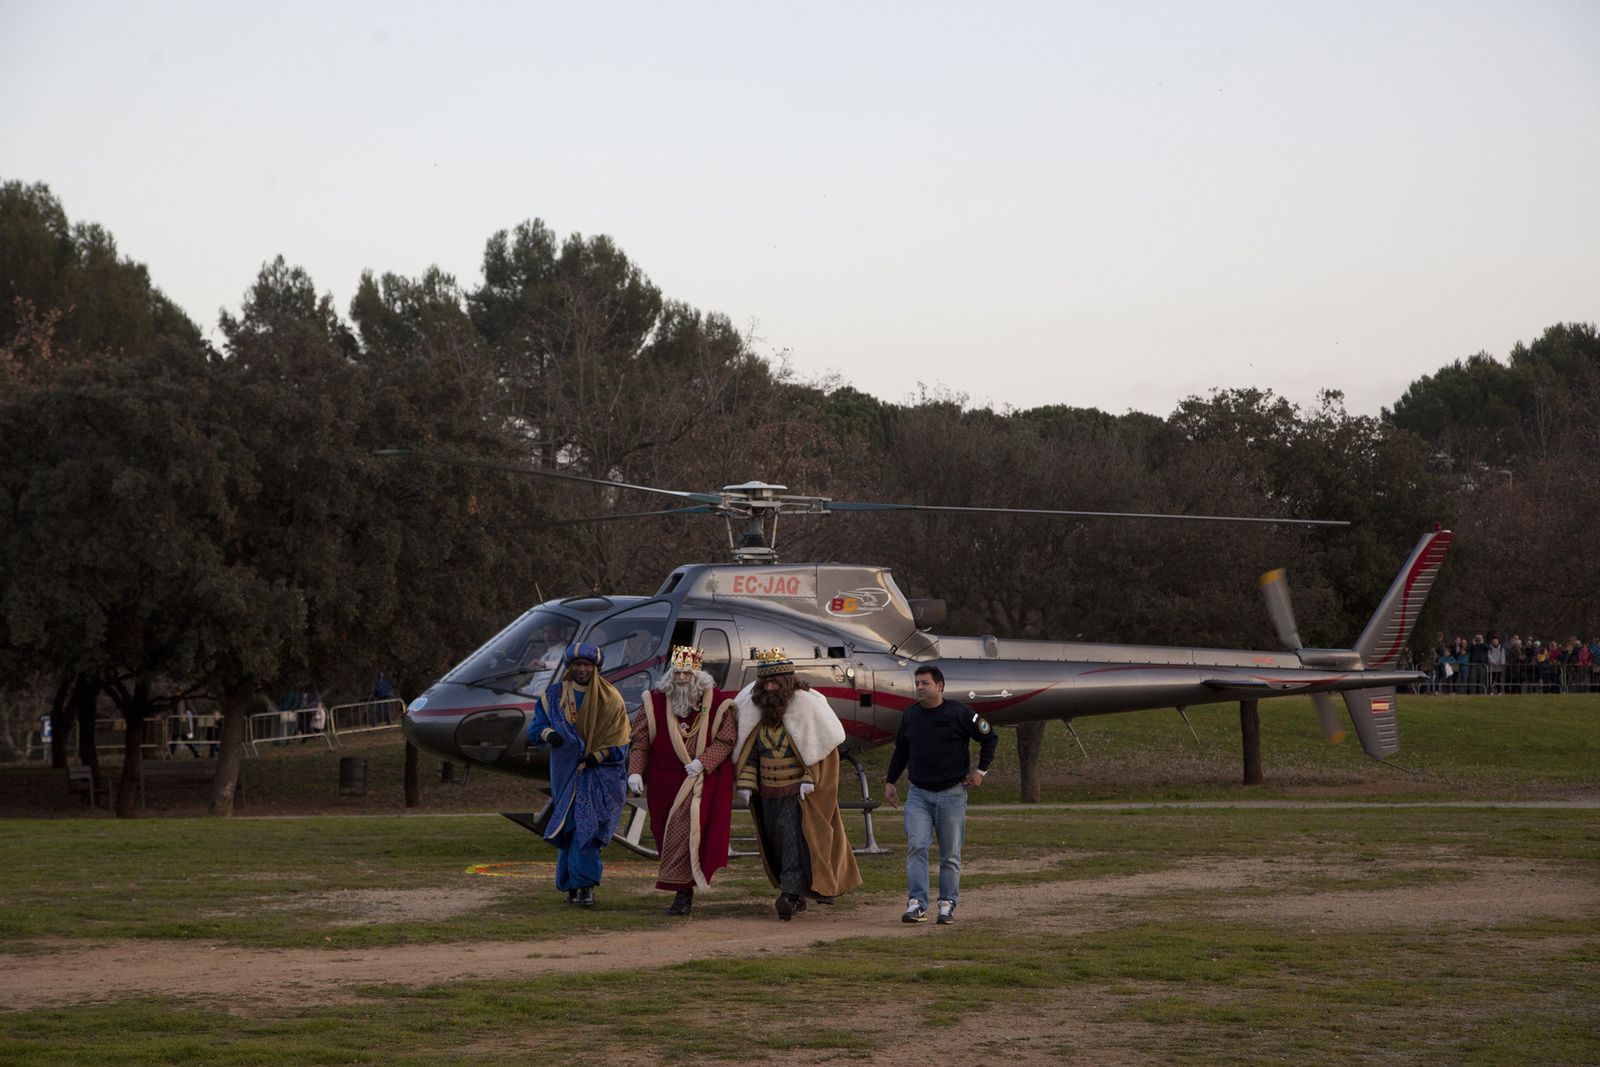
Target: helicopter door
x=711 y=636
x=877 y=719
x=632 y=643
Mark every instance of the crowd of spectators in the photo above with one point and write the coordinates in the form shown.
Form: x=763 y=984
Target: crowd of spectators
x=1486 y=665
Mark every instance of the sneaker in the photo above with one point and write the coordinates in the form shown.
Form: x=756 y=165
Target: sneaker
x=947 y=912
x=586 y=897
x=916 y=912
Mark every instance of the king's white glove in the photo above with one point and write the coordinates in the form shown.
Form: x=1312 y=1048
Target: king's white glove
x=806 y=789
x=635 y=785
x=744 y=796
x=693 y=767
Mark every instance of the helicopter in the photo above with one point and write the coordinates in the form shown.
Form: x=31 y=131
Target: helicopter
x=856 y=638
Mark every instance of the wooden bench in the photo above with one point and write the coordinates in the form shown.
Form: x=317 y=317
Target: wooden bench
x=183 y=773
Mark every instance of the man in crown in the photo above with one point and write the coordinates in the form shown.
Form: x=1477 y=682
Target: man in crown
x=683 y=736
x=583 y=720
x=788 y=772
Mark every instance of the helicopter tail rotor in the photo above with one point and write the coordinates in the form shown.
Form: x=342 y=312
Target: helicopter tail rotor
x=1275 y=589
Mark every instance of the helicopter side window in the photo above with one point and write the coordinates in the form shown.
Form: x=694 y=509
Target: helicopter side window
x=630 y=643
x=718 y=655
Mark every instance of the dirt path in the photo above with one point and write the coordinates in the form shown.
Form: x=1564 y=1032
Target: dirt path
x=76 y=971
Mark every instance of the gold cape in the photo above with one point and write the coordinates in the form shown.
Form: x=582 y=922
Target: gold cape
x=833 y=864
x=602 y=722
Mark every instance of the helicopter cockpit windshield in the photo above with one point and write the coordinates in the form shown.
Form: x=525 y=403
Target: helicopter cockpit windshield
x=522 y=657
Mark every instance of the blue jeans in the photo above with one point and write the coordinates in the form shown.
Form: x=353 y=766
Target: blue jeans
x=928 y=814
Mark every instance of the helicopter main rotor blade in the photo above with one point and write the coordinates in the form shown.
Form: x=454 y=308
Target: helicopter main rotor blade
x=698 y=509
x=848 y=505
x=449 y=460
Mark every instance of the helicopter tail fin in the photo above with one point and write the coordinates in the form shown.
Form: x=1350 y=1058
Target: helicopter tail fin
x=1373 y=713
x=1385 y=635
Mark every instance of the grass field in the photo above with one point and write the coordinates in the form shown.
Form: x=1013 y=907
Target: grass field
x=1321 y=930
x=1506 y=747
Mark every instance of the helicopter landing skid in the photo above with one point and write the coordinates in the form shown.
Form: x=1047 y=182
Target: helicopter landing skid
x=866 y=805
x=630 y=835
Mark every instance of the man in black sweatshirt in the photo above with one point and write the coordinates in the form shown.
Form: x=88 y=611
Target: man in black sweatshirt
x=935 y=742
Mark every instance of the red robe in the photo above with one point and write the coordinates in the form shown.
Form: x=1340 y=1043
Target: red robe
x=690 y=820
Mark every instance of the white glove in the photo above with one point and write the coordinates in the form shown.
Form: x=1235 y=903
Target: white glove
x=635 y=785
x=806 y=789
x=693 y=767
x=744 y=796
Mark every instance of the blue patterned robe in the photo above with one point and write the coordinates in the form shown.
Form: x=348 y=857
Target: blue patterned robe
x=587 y=801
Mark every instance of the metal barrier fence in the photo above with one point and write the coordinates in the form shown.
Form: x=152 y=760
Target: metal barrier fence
x=1514 y=678
x=110 y=734
x=169 y=734
x=364 y=716
x=283 y=728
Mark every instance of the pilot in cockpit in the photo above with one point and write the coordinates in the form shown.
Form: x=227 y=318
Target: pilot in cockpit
x=549 y=644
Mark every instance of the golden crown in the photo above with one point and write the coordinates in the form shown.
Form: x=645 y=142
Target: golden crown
x=685 y=658
x=771 y=661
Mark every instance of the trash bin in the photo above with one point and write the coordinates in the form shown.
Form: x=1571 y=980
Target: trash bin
x=352 y=777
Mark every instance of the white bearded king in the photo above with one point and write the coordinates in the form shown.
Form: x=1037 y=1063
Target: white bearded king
x=683 y=738
x=684 y=684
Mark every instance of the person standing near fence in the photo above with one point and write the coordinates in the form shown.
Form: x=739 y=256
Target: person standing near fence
x=935 y=745
x=382 y=692
x=183 y=729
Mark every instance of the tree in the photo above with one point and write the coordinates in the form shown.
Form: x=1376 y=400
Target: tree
x=1485 y=413
x=66 y=292
x=120 y=484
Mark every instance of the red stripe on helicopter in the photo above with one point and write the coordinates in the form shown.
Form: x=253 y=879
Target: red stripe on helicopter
x=1153 y=667
x=1212 y=667
x=895 y=702
x=880 y=699
x=1300 y=681
x=441 y=713
x=1429 y=557
x=865 y=730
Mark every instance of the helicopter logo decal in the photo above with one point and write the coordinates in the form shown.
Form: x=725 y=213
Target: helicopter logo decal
x=852 y=603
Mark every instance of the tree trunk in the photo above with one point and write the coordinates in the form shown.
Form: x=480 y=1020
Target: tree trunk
x=413 y=794
x=61 y=722
x=1250 y=730
x=84 y=696
x=1030 y=742
x=132 y=752
x=235 y=704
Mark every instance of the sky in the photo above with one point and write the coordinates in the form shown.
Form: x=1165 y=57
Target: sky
x=1110 y=205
